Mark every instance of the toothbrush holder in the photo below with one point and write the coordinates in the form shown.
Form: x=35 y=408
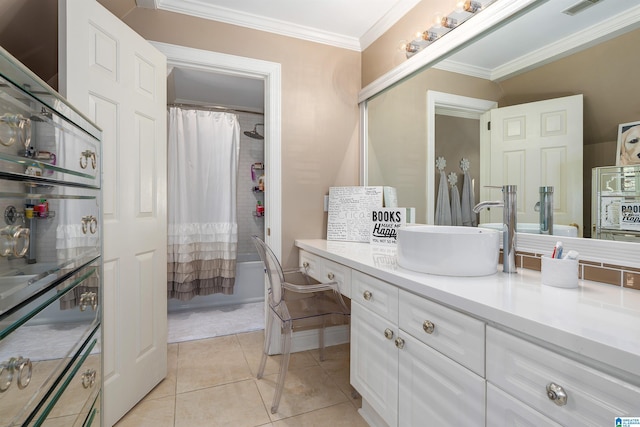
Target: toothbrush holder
x=561 y=273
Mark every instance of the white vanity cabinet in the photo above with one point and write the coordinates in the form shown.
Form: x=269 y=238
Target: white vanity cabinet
x=500 y=350
x=565 y=390
x=505 y=410
x=405 y=380
x=324 y=270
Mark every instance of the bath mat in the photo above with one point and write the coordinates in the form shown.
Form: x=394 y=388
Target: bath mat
x=212 y=322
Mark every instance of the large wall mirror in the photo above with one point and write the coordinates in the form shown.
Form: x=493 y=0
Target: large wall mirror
x=530 y=59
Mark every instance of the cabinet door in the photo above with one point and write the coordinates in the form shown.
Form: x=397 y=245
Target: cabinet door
x=435 y=390
x=374 y=362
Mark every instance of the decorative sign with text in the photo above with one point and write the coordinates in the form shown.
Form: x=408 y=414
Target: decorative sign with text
x=350 y=212
x=385 y=223
x=629 y=216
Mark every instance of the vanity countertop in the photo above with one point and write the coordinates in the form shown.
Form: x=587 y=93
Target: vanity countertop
x=595 y=320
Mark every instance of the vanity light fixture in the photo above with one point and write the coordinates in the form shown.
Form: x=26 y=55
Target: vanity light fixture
x=445 y=21
x=464 y=9
x=468 y=6
x=410 y=48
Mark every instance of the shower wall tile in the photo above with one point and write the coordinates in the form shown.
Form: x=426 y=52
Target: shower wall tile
x=251 y=151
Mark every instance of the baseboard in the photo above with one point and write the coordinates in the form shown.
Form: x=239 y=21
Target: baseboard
x=308 y=340
x=371 y=416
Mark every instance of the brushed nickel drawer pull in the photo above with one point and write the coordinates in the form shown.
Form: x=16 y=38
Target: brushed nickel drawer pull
x=331 y=276
x=557 y=394
x=23 y=379
x=367 y=295
x=428 y=327
x=89 y=378
x=400 y=343
x=388 y=333
x=88 y=298
x=6 y=370
x=84 y=159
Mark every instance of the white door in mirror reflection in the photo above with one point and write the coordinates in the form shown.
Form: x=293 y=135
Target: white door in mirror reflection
x=533 y=145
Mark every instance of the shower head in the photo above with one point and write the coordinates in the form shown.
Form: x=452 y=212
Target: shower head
x=254 y=133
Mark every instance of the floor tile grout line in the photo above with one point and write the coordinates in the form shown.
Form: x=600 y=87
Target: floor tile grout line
x=175 y=388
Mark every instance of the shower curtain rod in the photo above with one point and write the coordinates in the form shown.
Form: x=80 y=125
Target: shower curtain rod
x=212 y=107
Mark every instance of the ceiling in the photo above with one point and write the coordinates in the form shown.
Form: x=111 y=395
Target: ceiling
x=350 y=24
x=545 y=34
x=539 y=36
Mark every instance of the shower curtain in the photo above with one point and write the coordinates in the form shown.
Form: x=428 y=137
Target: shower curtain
x=203 y=231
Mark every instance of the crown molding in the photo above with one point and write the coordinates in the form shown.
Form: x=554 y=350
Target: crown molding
x=386 y=22
x=215 y=13
x=581 y=40
x=498 y=12
x=466 y=69
x=147 y=4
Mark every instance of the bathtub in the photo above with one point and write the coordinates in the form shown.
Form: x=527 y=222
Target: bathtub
x=249 y=287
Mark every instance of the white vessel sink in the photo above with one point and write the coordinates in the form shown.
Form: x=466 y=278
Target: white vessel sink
x=449 y=250
x=533 y=228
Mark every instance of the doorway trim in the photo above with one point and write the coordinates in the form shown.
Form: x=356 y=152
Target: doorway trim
x=450 y=104
x=270 y=73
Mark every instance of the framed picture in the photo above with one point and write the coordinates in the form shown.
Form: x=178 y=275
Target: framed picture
x=628 y=152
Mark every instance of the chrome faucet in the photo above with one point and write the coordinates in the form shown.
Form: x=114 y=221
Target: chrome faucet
x=545 y=206
x=509 y=206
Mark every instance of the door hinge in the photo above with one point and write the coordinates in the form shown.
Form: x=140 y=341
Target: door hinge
x=268 y=231
x=488 y=125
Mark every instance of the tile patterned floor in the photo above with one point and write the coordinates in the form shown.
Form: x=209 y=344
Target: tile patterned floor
x=211 y=382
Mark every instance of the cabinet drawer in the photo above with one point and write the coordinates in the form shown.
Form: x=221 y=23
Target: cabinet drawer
x=376 y=295
x=64 y=238
x=338 y=273
x=525 y=370
x=504 y=410
x=312 y=263
x=452 y=333
x=38 y=144
x=324 y=270
x=39 y=341
x=76 y=390
x=90 y=417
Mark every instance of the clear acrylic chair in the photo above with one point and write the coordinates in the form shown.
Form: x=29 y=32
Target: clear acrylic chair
x=296 y=301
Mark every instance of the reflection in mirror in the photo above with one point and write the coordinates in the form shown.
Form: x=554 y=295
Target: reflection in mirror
x=398 y=121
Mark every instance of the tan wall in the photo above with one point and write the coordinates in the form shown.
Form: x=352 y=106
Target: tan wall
x=458 y=138
x=384 y=54
x=29 y=32
x=605 y=74
x=398 y=128
x=320 y=84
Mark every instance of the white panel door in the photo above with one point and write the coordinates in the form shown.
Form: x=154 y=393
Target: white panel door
x=538 y=144
x=119 y=80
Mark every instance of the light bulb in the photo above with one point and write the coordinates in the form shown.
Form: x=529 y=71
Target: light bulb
x=442 y=20
x=403 y=45
x=471 y=6
x=437 y=19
